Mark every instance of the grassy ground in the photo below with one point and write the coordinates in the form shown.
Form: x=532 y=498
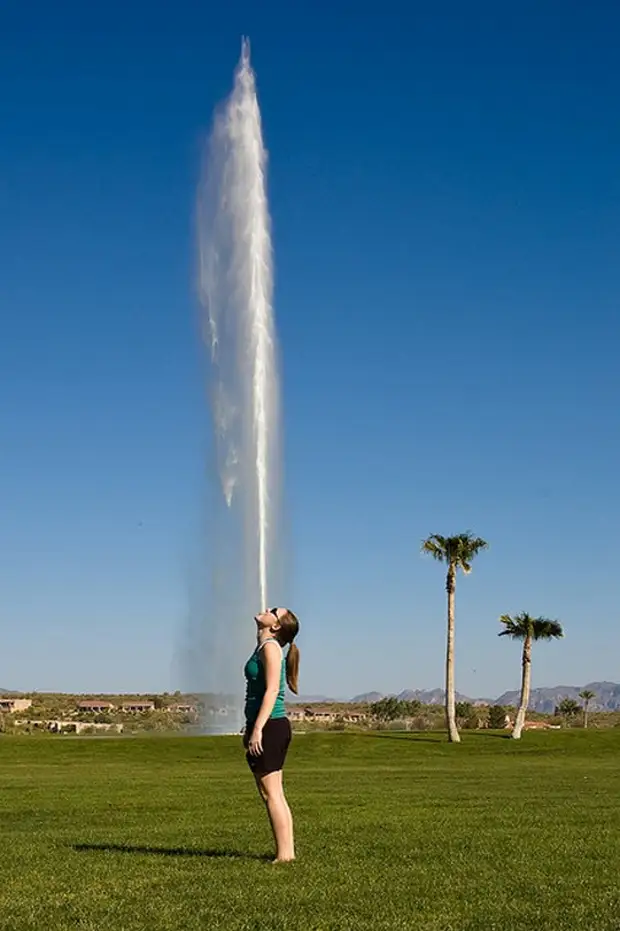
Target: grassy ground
x=394 y=832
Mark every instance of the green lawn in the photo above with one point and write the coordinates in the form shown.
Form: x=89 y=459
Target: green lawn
x=394 y=831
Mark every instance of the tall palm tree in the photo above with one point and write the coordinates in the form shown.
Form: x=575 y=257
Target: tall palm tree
x=586 y=696
x=527 y=628
x=457 y=553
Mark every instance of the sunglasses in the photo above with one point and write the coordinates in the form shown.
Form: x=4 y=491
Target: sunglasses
x=273 y=611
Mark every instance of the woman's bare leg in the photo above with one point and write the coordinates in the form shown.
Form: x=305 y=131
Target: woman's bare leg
x=280 y=818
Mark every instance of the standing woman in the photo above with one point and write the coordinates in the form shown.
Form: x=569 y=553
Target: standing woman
x=267 y=729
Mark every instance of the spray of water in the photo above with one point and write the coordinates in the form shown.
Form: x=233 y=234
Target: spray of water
x=236 y=294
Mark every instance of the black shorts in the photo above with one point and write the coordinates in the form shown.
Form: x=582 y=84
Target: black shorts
x=276 y=740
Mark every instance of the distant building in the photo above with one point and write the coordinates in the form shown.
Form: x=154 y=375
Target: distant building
x=137 y=707
x=95 y=706
x=58 y=726
x=326 y=715
x=533 y=725
x=183 y=709
x=355 y=717
x=9 y=705
x=79 y=727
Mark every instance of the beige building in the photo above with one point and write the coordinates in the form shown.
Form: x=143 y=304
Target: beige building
x=79 y=727
x=137 y=707
x=95 y=706
x=9 y=705
x=58 y=726
x=321 y=715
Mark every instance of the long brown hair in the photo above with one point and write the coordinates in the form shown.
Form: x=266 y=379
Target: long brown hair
x=289 y=628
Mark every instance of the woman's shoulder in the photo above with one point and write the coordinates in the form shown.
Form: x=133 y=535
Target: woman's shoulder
x=272 y=642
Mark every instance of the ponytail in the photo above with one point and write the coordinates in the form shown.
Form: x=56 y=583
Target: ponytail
x=292 y=668
x=289 y=628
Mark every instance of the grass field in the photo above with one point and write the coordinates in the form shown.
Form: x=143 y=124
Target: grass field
x=394 y=831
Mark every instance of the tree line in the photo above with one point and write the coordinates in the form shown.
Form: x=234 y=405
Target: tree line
x=458 y=553
x=471 y=716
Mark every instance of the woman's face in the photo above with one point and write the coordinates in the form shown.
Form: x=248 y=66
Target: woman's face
x=267 y=619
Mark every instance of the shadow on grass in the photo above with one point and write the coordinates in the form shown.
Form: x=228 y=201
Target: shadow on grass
x=440 y=737
x=170 y=851
x=411 y=736
x=498 y=734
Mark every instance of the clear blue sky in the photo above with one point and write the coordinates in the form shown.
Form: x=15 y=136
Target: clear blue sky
x=445 y=191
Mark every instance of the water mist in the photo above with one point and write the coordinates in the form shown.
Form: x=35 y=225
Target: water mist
x=236 y=295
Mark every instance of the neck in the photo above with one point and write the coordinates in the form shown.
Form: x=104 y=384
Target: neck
x=265 y=634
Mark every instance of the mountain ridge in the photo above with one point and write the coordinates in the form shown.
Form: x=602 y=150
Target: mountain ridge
x=543 y=699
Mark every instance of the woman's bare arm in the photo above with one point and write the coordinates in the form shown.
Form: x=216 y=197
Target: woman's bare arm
x=271 y=656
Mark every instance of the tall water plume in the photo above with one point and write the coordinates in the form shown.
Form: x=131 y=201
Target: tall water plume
x=236 y=294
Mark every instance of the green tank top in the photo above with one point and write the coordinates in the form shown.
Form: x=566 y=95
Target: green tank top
x=256 y=684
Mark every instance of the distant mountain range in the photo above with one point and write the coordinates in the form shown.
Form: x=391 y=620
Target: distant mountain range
x=543 y=700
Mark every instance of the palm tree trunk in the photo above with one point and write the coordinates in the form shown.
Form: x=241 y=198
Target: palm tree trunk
x=453 y=733
x=526 y=678
x=585 y=712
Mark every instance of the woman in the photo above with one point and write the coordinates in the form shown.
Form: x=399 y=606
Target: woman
x=267 y=729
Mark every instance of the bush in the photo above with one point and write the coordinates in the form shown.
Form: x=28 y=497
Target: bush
x=420 y=723
x=387 y=709
x=497 y=717
x=568 y=708
x=392 y=709
x=467 y=716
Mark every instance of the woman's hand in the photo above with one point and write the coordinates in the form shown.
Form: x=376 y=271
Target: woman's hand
x=255 y=746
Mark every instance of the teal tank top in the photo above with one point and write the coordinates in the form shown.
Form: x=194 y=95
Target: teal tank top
x=256 y=684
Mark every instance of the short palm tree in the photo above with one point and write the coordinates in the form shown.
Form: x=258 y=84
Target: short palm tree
x=457 y=553
x=568 y=708
x=586 y=695
x=528 y=629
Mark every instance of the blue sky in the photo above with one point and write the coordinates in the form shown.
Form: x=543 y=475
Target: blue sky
x=445 y=194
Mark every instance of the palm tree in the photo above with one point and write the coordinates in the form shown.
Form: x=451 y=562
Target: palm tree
x=568 y=708
x=586 y=696
x=527 y=628
x=458 y=553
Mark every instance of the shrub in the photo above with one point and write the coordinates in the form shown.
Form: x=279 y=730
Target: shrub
x=497 y=717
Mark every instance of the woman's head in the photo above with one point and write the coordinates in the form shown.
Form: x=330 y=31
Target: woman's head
x=284 y=626
x=281 y=622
